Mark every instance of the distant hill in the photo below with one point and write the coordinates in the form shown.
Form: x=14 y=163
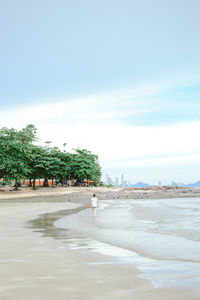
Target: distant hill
x=192 y=185
x=180 y=184
x=196 y=184
x=140 y=184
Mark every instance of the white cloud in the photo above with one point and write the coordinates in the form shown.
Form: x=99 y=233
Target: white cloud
x=101 y=106
x=96 y=123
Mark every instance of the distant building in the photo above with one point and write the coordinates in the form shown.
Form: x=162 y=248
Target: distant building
x=116 y=182
x=122 y=179
x=107 y=179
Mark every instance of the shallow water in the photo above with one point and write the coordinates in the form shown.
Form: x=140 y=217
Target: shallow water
x=162 y=237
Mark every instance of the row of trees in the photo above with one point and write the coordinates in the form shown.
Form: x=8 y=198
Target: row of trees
x=20 y=158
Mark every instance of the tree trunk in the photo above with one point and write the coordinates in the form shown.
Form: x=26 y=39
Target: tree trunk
x=30 y=183
x=34 y=188
x=16 y=185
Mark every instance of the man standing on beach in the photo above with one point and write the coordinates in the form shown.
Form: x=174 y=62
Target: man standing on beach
x=94 y=205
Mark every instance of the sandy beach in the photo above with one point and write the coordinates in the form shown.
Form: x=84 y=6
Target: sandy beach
x=82 y=193
x=35 y=264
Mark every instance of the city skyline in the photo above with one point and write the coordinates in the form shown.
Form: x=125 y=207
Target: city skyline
x=115 y=182
x=110 y=181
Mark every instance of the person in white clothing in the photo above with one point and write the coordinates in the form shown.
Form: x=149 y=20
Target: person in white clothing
x=94 y=204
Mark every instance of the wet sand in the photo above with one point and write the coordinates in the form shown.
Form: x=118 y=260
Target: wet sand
x=36 y=265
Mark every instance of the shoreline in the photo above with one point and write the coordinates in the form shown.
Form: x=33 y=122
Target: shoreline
x=126 y=230
x=36 y=265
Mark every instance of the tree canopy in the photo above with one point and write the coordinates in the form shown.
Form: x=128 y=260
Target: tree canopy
x=21 y=159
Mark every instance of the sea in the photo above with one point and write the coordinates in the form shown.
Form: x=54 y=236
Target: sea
x=161 y=237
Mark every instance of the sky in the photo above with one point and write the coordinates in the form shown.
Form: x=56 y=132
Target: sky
x=120 y=78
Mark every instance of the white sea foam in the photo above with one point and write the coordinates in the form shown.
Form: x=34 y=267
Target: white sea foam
x=161 y=236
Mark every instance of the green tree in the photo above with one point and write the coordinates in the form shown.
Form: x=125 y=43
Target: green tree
x=28 y=134
x=85 y=165
x=13 y=155
x=53 y=166
x=20 y=158
x=36 y=162
x=64 y=166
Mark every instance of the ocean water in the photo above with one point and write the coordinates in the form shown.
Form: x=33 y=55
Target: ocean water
x=161 y=237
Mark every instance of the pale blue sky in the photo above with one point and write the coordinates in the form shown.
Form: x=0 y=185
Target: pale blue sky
x=126 y=65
